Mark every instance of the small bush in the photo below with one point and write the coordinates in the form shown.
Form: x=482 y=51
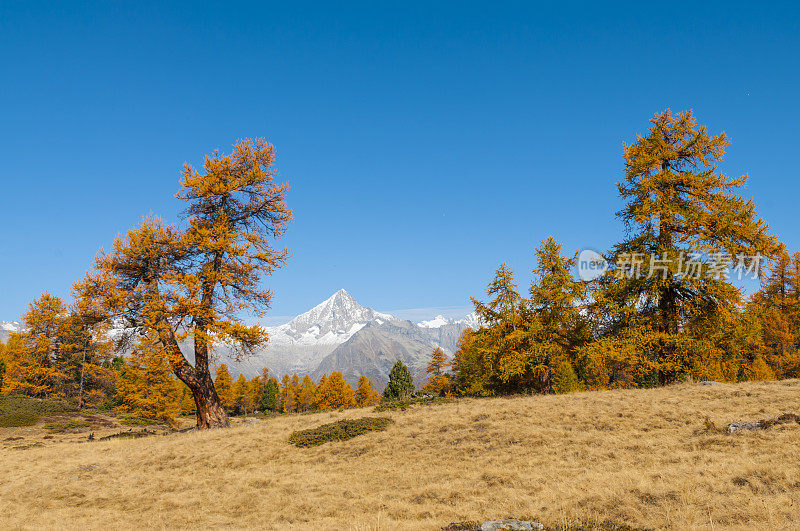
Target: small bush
x=16 y=410
x=63 y=426
x=15 y=420
x=338 y=431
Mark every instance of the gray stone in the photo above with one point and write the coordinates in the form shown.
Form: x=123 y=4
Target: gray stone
x=733 y=427
x=509 y=524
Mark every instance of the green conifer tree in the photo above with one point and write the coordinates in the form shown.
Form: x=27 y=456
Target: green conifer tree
x=401 y=384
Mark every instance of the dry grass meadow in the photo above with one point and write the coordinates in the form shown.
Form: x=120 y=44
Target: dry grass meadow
x=638 y=457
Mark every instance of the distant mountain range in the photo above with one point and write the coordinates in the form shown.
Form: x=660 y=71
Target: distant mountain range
x=339 y=334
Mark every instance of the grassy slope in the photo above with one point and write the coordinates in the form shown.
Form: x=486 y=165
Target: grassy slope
x=640 y=457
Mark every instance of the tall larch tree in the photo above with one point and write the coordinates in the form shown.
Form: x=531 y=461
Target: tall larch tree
x=305 y=395
x=195 y=283
x=554 y=321
x=37 y=359
x=678 y=204
x=777 y=309
x=3 y=366
x=239 y=395
x=500 y=347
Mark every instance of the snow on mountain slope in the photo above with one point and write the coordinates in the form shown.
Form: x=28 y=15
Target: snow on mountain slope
x=315 y=340
x=7 y=328
x=436 y=322
x=471 y=320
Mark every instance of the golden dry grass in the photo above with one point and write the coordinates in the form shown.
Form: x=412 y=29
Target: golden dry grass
x=640 y=457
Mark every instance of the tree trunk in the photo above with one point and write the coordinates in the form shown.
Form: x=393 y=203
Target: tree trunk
x=210 y=413
x=80 y=389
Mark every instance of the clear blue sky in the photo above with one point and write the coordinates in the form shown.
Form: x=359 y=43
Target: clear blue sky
x=424 y=142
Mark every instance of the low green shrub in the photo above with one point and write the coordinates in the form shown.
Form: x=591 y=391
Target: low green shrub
x=16 y=410
x=62 y=426
x=15 y=420
x=338 y=431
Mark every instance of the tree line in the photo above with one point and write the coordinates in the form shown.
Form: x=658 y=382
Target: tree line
x=56 y=356
x=60 y=353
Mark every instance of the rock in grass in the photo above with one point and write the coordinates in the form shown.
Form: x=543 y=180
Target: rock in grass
x=733 y=427
x=509 y=524
x=786 y=418
x=506 y=524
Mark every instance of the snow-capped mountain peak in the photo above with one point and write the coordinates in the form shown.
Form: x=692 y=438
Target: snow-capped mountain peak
x=331 y=322
x=436 y=322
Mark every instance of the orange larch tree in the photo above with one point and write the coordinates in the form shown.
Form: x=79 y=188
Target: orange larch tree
x=195 y=283
x=438 y=382
x=365 y=395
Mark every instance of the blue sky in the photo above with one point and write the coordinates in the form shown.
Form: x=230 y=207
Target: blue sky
x=424 y=142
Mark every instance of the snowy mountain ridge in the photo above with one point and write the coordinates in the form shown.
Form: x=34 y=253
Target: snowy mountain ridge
x=470 y=320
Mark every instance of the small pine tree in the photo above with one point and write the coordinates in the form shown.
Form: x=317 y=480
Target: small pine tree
x=564 y=379
x=269 y=398
x=224 y=386
x=401 y=384
x=365 y=395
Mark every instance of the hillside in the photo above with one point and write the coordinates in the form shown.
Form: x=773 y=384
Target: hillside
x=376 y=347
x=641 y=457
